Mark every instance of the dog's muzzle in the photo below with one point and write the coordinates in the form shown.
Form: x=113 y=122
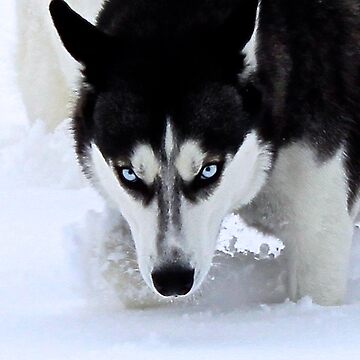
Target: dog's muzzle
x=173 y=279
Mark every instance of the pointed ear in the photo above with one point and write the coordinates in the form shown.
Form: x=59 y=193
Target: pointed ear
x=81 y=39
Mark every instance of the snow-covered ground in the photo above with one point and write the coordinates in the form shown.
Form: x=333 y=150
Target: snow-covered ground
x=54 y=304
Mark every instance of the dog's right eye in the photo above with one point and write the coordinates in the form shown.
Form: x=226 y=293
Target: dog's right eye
x=208 y=171
x=128 y=175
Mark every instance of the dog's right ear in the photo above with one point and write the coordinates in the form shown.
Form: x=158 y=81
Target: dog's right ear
x=81 y=39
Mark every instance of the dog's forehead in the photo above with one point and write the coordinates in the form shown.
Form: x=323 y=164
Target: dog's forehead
x=185 y=157
x=209 y=117
x=213 y=116
x=122 y=122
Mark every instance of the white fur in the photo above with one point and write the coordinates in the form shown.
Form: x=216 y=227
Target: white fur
x=355 y=211
x=190 y=160
x=169 y=140
x=250 y=48
x=145 y=164
x=244 y=175
x=47 y=75
x=143 y=221
x=305 y=204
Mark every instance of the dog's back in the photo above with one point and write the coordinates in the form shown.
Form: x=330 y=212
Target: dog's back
x=308 y=58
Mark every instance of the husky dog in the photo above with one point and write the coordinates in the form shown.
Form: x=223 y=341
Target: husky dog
x=192 y=109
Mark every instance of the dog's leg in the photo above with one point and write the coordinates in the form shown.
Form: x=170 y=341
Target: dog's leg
x=318 y=256
x=304 y=203
x=319 y=229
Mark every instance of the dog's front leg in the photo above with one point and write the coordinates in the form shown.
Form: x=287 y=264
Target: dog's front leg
x=317 y=228
x=318 y=241
x=318 y=262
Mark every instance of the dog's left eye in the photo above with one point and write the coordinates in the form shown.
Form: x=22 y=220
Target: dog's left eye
x=208 y=171
x=205 y=181
x=129 y=175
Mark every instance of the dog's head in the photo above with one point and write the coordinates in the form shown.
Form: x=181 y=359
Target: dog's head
x=166 y=133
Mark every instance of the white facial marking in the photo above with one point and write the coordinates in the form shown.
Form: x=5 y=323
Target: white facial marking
x=250 y=48
x=143 y=221
x=243 y=176
x=190 y=160
x=247 y=172
x=103 y=176
x=196 y=225
x=169 y=140
x=145 y=164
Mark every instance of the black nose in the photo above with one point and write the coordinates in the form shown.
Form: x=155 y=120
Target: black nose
x=173 y=280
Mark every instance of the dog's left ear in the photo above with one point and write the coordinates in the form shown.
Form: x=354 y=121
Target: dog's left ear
x=82 y=40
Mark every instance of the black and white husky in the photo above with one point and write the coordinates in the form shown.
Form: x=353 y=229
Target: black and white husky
x=192 y=109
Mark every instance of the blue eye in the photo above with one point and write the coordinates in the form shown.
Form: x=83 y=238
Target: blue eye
x=209 y=171
x=129 y=175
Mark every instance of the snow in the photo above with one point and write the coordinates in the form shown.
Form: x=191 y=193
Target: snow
x=58 y=302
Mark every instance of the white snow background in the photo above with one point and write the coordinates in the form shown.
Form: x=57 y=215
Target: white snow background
x=56 y=304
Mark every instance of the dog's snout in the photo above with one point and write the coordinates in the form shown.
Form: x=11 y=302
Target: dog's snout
x=173 y=280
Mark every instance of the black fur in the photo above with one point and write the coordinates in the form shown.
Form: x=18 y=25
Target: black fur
x=167 y=58
x=308 y=74
x=149 y=60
